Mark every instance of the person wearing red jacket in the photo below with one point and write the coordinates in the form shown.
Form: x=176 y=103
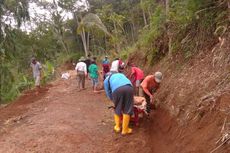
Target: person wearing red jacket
x=105 y=66
x=137 y=76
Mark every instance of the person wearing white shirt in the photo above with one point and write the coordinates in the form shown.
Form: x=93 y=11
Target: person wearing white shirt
x=36 y=67
x=81 y=69
x=115 y=65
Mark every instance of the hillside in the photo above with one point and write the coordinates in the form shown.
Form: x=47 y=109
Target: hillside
x=196 y=94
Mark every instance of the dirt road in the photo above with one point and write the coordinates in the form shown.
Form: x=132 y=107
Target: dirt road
x=60 y=119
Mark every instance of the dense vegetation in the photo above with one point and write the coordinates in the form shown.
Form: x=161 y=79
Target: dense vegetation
x=156 y=27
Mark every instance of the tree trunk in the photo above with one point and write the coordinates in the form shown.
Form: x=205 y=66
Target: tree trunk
x=116 y=42
x=149 y=13
x=88 y=41
x=83 y=38
x=65 y=46
x=167 y=7
x=168 y=29
x=132 y=31
x=60 y=37
x=229 y=11
x=105 y=42
x=144 y=16
x=77 y=39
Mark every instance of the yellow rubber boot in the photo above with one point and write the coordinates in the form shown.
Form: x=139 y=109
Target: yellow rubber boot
x=125 y=125
x=117 y=123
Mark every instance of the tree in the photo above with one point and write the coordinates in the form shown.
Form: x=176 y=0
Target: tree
x=88 y=21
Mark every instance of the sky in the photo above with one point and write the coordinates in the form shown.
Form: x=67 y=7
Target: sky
x=39 y=14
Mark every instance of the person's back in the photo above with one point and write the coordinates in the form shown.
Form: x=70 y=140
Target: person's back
x=105 y=65
x=149 y=86
x=93 y=71
x=150 y=83
x=81 y=67
x=115 y=81
x=87 y=62
x=138 y=73
x=114 y=66
x=119 y=89
x=106 y=68
x=137 y=76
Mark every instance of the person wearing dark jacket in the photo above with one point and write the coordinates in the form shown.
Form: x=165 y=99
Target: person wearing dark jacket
x=88 y=61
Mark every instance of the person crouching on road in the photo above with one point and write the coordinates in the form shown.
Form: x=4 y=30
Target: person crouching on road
x=81 y=69
x=36 y=68
x=93 y=72
x=150 y=85
x=119 y=89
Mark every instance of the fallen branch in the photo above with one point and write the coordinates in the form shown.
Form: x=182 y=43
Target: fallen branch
x=220 y=145
x=223 y=127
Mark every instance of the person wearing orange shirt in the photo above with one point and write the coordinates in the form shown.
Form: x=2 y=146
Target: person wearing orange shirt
x=149 y=85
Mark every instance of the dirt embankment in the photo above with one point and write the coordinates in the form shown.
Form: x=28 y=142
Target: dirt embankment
x=196 y=92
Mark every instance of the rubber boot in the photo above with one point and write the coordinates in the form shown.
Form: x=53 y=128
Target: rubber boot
x=117 y=123
x=125 y=125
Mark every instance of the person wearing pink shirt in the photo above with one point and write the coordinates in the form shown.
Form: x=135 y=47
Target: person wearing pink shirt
x=137 y=76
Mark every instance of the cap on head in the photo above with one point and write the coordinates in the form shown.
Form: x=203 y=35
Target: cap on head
x=158 y=77
x=81 y=59
x=33 y=59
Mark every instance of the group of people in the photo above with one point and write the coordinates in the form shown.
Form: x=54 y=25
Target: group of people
x=120 y=88
x=87 y=68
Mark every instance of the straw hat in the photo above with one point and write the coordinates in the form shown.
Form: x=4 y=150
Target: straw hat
x=81 y=59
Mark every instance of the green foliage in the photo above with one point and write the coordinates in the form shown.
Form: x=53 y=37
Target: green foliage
x=151 y=36
x=116 y=27
x=155 y=29
x=92 y=20
x=62 y=58
x=193 y=21
x=188 y=24
x=47 y=72
x=183 y=12
x=6 y=84
x=25 y=82
x=12 y=83
x=125 y=53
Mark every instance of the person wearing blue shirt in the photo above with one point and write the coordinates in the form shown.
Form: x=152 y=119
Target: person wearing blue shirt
x=119 y=89
x=105 y=60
